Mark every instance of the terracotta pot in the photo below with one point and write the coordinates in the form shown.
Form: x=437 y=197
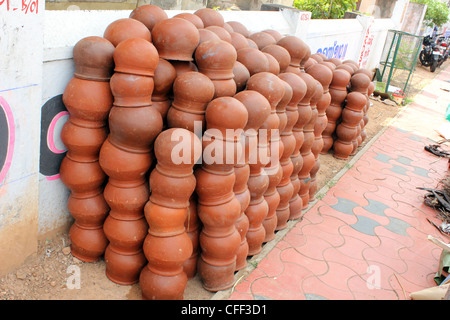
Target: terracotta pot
x=164 y=77
x=238 y=41
x=73 y=175
x=133 y=128
x=126 y=28
x=192 y=92
x=131 y=90
x=175 y=39
x=239 y=28
x=192 y=225
x=136 y=56
x=240 y=189
x=183 y=66
x=194 y=19
x=297 y=49
x=88 y=102
x=221 y=32
x=241 y=76
x=254 y=60
x=335 y=61
x=93 y=59
x=280 y=54
x=275 y=34
x=87 y=244
x=262 y=39
x=149 y=15
x=88 y=211
x=216 y=59
x=210 y=17
x=274 y=66
x=207 y=35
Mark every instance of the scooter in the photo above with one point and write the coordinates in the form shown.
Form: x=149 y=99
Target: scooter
x=440 y=54
x=426 y=55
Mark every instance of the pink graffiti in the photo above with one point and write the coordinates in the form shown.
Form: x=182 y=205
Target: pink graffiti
x=11 y=130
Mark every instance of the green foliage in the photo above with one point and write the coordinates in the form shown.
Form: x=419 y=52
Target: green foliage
x=437 y=12
x=321 y=9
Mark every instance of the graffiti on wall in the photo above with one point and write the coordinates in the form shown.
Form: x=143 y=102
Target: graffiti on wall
x=7 y=138
x=52 y=150
x=25 y=6
x=334 y=51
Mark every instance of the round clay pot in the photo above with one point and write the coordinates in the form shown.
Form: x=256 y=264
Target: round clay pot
x=93 y=58
x=123 y=269
x=175 y=39
x=241 y=76
x=275 y=34
x=87 y=244
x=238 y=41
x=269 y=85
x=183 y=66
x=258 y=108
x=262 y=39
x=296 y=47
x=239 y=28
x=210 y=17
x=88 y=102
x=150 y=282
x=207 y=35
x=226 y=113
x=165 y=221
x=149 y=15
x=136 y=56
x=280 y=54
x=194 y=19
x=359 y=82
x=125 y=235
x=335 y=61
x=164 y=77
x=224 y=88
x=253 y=59
x=88 y=212
x=274 y=66
x=127 y=201
x=73 y=175
x=131 y=90
x=216 y=59
x=134 y=128
x=126 y=28
x=82 y=143
x=221 y=32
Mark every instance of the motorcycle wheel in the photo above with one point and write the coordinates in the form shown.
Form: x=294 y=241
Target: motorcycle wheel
x=423 y=59
x=433 y=66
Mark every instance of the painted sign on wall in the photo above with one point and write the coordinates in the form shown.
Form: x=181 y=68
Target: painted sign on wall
x=7 y=138
x=336 y=51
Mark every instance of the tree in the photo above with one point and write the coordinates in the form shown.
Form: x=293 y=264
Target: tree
x=437 y=12
x=321 y=9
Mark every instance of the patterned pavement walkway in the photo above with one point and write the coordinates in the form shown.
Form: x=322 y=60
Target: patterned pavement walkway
x=366 y=237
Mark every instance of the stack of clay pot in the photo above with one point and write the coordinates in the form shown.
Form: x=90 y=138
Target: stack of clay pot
x=246 y=112
x=88 y=99
x=126 y=156
x=167 y=246
x=218 y=208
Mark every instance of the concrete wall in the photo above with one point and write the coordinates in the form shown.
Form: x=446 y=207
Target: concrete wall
x=35 y=71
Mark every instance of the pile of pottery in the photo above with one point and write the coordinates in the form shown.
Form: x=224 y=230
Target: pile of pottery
x=192 y=141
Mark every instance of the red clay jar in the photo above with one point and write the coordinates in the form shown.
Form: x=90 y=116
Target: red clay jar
x=194 y=19
x=136 y=56
x=93 y=58
x=175 y=39
x=149 y=15
x=239 y=28
x=210 y=17
x=241 y=76
x=126 y=28
x=253 y=59
x=238 y=41
x=164 y=77
x=275 y=34
x=221 y=32
x=262 y=39
x=280 y=54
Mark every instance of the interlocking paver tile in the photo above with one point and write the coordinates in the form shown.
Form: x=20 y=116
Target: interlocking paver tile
x=359 y=266
x=371 y=240
x=329 y=211
x=337 y=275
x=363 y=290
x=314 y=286
x=293 y=255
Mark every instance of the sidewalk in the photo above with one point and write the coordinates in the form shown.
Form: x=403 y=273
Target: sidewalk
x=365 y=238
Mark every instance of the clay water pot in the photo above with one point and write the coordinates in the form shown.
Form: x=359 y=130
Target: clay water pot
x=254 y=60
x=164 y=77
x=88 y=211
x=134 y=128
x=175 y=39
x=149 y=15
x=258 y=108
x=136 y=56
x=194 y=19
x=126 y=28
x=88 y=102
x=228 y=27
x=207 y=35
x=335 y=61
x=309 y=63
x=216 y=59
x=239 y=28
x=252 y=44
x=238 y=41
x=269 y=85
x=345 y=67
x=210 y=17
x=280 y=54
x=224 y=88
x=87 y=244
x=241 y=76
x=297 y=49
x=275 y=34
x=125 y=199
x=192 y=225
x=262 y=39
x=274 y=66
x=221 y=32
x=192 y=92
x=131 y=90
x=73 y=175
x=183 y=66
x=82 y=143
x=93 y=58
x=360 y=82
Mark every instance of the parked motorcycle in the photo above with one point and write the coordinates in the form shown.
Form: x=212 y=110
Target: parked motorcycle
x=426 y=55
x=440 y=54
x=435 y=51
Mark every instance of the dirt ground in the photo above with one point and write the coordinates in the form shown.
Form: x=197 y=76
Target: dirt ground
x=52 y=273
